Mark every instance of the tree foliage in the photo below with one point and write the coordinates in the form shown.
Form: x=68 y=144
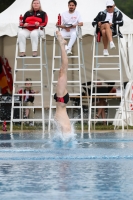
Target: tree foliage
x=5 y=4
x=126 y=6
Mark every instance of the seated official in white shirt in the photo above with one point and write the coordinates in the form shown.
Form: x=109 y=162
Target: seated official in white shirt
x=69 y=20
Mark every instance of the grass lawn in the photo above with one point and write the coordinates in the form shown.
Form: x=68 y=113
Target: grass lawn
x=77 y=126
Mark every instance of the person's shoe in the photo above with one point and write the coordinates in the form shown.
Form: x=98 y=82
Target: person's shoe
x=112 y=46
x=31 y=124
x=22 y=55
x=69 y=53
x=25 y=117
x=34 y=54
x=97 y=117
x=105 y=52
x=66 y=47
x=25 y=122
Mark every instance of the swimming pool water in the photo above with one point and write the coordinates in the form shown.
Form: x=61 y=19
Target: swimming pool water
x=96 y=167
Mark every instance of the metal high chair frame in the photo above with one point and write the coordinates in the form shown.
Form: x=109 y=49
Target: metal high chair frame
x=39 y=67
x=71 y=83
x=96 y=67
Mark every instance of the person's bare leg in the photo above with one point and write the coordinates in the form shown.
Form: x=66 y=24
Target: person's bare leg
x=27 y=112
x=105 y=39
x=99 y=110
x=103 y=116
x=103 y=112
x=62 y=43
x=62 y=80
x=106 y=28
x=62 y=118
x=108 y=31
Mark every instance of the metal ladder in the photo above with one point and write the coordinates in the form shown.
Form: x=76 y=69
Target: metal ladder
x=72 y=67
x=126 y=109
x=105 y=67
x=30 y=67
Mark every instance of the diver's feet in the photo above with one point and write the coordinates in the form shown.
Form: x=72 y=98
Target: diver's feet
x=60 y=38
x=34 y=54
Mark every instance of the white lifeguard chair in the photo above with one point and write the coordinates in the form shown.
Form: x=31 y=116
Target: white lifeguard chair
x=30 y=64
x=108 y=64
x=76 y=63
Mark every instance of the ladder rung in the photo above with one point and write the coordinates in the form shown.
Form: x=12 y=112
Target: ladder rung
x=25 y=57
x=106 y=85
x=32 y=94
x=75 y=64
x=105 y=106
x=108 y=64
x=24 y=69
x=72 y=94
x=106 y=119
x=16 y=82
x=112 y=56
x=73 y=85
x=71 y=119
x=110 y=81
x=68 y=56
x=25 y=120
x=68 y=81
x=19 y=86
x=104 y=94
x=34 y=64
x=4 y=120
x=111 y=68
x=68 y=107
x=76 y=119
x=27 y=106
x=9 y=102
x=69 y=69
x=128 y=111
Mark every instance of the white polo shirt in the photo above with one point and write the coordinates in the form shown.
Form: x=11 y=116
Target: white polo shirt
x=109 y=17
x=71 y=18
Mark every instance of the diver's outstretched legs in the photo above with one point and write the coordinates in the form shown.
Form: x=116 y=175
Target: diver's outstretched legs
x=62 y=43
